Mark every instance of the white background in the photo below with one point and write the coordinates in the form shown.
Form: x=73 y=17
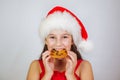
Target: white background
x=20 y=42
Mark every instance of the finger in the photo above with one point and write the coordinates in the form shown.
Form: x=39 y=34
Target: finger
x=69 y=62
x=45 y=55
x=72 y=56
x=48 y=58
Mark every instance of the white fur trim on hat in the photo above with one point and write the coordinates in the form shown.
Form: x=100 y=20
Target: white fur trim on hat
x=85 y=46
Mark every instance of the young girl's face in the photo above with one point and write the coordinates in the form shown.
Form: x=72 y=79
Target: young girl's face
x=59 y=39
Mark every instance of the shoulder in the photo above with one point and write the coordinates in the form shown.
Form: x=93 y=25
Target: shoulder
x=86 y=70
x=85 y=64
x=34 y=70
x=35 y=63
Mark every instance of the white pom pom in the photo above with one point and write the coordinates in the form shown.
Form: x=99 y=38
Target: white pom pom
x=85 y=46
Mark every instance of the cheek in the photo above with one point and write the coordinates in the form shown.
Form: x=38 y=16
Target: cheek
x=50 y=44
x=68 y=44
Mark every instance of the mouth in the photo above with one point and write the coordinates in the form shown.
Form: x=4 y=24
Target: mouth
x=58 y=49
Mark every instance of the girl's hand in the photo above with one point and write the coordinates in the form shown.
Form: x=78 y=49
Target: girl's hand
x=48 y=62
x=71 y=63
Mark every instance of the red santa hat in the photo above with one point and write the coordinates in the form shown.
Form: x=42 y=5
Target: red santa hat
x=62 y=18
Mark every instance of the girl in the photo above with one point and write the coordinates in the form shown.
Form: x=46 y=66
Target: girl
x=61 y=29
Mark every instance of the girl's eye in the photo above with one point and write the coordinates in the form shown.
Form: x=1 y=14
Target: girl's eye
x=65 y=36
x=52 y=37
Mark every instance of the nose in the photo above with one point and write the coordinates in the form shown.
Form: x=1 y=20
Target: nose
x=58 y=42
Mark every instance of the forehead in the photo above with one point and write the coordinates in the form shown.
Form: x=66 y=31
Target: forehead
x=59 y=31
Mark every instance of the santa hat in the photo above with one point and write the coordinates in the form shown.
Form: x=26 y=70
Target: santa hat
x=62 y=18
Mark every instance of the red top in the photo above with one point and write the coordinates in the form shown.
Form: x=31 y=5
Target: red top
x=58 y=75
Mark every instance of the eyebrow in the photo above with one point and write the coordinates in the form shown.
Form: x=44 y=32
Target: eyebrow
x=62 y=34
x=67 y=34
x=50 y=34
